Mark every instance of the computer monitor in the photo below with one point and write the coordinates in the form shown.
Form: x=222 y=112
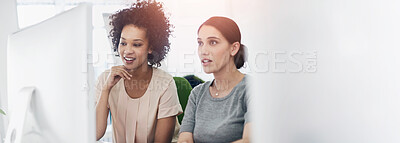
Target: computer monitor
x=50 y=79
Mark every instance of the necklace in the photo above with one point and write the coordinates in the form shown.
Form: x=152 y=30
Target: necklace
x=216 y=94
x=218 y=91
x=224 y=88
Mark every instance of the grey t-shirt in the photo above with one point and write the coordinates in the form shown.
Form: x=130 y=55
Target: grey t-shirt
x=216 y=119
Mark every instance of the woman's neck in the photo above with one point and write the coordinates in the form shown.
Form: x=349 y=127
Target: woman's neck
x=141 y=73
x=227 y=78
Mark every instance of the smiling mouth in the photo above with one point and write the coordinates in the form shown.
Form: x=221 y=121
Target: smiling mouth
x=129 y=59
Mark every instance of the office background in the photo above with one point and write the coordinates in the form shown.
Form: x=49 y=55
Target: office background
x=186 y=16
x=346 y=89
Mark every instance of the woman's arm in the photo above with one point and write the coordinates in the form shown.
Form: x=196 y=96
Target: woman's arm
x=102 y=114
x=246 y=134
x=168 y=109
x=247 y=126
x=188 y=122
x=165 y=129
x=185 y=137
x=102 y=110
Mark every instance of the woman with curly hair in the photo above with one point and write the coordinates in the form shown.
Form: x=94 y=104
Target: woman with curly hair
x=142 y=99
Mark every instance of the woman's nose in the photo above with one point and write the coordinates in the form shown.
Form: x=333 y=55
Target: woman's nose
x=129 y=50
x=203 y=50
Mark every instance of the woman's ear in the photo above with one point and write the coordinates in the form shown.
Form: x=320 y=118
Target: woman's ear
x=235 y=48
x=150 y=50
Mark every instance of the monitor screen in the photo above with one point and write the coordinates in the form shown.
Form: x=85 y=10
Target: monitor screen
x=53 y=58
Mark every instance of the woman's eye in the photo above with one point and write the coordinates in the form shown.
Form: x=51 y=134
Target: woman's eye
x=137 y=45
x=213 y=42
x=200 y=43
x=122 y=43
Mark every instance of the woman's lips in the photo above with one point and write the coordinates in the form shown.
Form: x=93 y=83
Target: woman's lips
x=205 y=62
x=129 y=60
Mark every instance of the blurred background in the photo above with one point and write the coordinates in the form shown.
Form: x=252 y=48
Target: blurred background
x=324 y=71
x=185 y=15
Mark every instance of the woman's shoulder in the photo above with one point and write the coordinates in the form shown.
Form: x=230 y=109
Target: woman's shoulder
x=161 y=75
x=103 y=75
x=201 y=88
x=105 y=72
x=161 y=80
x=244 y=82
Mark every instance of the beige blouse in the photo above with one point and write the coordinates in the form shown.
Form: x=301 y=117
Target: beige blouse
x=134 y=120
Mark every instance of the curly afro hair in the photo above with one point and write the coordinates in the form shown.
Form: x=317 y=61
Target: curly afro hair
x=150 y=16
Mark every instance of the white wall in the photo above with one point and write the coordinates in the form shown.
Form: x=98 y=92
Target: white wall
x=9 y=24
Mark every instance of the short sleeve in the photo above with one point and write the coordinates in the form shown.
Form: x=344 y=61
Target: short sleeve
x=188 y=121
x=98 y=89
x=169 y=102
x=99 y=85
x=247 y=116
x=247 y=101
